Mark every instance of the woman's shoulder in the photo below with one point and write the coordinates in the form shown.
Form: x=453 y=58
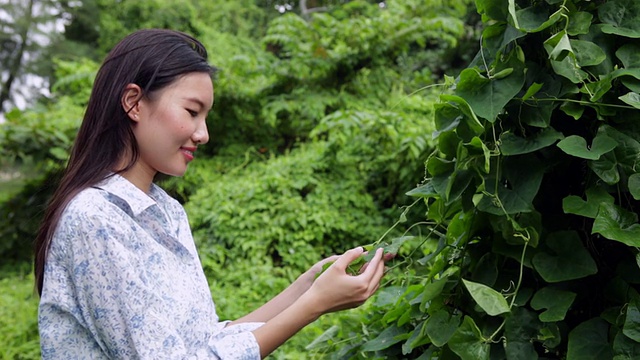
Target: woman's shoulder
x=88 y=203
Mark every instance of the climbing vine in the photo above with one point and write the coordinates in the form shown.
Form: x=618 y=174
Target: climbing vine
x=529 y=247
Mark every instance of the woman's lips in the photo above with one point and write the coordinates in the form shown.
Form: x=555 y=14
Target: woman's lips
x=188 y=152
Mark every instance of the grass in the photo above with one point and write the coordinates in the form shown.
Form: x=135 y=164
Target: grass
x=18 y=314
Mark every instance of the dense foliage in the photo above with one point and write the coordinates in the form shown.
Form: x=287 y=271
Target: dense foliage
x=530 y=244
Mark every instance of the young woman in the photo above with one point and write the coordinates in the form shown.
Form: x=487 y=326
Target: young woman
x=116 y=266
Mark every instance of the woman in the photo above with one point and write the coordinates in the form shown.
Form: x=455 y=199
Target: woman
x=116 y=266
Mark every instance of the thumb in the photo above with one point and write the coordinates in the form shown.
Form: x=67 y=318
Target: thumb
x=348 y=257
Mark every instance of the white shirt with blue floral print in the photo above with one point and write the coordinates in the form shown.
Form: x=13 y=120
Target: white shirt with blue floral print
x=123 y=281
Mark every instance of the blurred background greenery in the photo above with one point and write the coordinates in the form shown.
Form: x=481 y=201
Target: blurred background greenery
x=322 y=122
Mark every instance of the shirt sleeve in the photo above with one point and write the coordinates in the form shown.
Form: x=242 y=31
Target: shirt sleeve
x=236 y=339
x=125 y=316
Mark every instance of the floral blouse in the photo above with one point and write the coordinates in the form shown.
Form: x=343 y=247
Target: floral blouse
x=123 y=281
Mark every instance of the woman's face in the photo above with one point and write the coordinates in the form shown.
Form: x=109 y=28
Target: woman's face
x=171 y=124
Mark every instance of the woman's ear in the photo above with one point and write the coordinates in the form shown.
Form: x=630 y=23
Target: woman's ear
x=130 y=101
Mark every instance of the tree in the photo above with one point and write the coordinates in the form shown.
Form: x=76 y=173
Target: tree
x=27 y=28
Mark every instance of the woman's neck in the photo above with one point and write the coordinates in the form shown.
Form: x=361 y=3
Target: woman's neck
x=140 y=176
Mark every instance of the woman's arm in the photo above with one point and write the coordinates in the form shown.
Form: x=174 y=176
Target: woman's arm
x=333 y=290
x=287 y=297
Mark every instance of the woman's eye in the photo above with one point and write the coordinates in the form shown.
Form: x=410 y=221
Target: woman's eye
x=192 y=113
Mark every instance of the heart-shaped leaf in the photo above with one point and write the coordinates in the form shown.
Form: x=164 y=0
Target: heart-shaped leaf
x=577 y=146
x=567 y=260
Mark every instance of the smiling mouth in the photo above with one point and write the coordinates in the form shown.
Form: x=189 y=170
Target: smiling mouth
x=188 y=153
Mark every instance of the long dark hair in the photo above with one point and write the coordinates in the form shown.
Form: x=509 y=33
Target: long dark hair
x=151 y=59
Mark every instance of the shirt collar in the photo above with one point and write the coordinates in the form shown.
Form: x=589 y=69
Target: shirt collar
x=137 y=199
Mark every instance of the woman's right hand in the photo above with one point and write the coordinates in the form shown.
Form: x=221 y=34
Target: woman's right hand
x=333 y=290
x=337 y=290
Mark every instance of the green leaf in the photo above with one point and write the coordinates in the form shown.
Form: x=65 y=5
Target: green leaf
x=579 y=23
x=616 y=223
x=323 y=338
x=595 y=197
x=625 y=348
x=587 y=53
x=596 y=90
x=389 y=295
x=396 y=243
x=487 y=96
x=575 y=145
x=417 y=338
x=558 y=46
x=535 y=18
x=425 y=191
x=388 y=248
x=550 y=335
x=464 y=113
x=441 y=326
x=631 y=327
x=627 y=154
x=538 y=114
x=622 y=17
x=493 y=9
x=525 y=229
x=386 y=338
x=629 y=55
x=634 y=186
x=520 y=331
x=511 y=144
x=447 y=118
x=495 y=38
x=58 y=153
x=533 y=89
x=491 y=301
x=512 y=13
x=589 y=341
x=556 y=301
x=569 y=69
x=568 y=259
x=438 y=166
x=572 y=109
x=632 y=99
x=458 y=183
x=432 y=289
x=606 y=168
x=629 y=78
x=563 y=57
x=468 y=343
x=476 y=147
x=516 y=189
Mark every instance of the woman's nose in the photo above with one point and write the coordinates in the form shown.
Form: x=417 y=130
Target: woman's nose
x=201 y=135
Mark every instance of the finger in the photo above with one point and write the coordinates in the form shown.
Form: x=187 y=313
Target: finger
x=385 y=257
x=388 y=256
x=375 y=288
x=331 y=258
x=363 y=268
x=373 y=265
x=376 y=278
x=347 y=258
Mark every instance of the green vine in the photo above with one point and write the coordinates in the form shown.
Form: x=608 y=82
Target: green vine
x=530 y=197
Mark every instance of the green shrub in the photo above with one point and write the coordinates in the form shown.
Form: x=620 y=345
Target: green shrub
x=18 y=315
x=290 y=210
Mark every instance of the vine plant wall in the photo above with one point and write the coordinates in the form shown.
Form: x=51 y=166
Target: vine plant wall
x=530 y=244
